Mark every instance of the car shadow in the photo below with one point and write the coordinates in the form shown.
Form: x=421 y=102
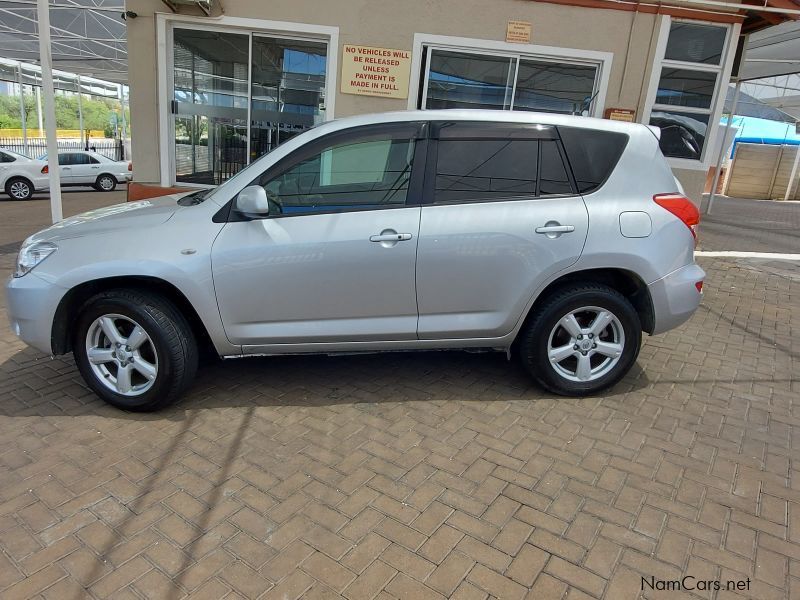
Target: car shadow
x=34 y=384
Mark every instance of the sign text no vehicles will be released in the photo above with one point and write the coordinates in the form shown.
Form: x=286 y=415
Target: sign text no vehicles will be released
x=373 y=71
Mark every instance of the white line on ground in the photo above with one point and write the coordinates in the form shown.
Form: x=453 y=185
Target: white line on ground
x=737 y=254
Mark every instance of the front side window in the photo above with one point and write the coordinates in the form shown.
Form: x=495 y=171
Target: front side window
x=474 y=79
x=364 y=172
x=688 y=83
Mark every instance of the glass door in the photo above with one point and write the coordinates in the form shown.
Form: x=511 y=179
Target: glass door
x=287 y=90
x=211 y=70
x=237 y=96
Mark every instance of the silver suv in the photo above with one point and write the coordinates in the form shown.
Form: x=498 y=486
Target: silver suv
x=558 y=239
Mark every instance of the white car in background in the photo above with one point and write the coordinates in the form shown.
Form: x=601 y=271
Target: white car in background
x=88 y=168
x=21 y=176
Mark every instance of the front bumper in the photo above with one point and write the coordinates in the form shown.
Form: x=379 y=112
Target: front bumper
x=675 y=297
x=32 y=304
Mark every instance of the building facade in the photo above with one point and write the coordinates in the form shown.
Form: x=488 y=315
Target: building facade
x=209 y=94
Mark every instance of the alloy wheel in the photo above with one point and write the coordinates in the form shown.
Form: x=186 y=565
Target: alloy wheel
x=586 y=344
x=121 y=354
x=20 y=190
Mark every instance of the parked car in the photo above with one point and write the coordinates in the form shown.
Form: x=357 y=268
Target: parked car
x=87 y=168
x=558 y=239
x=21 y=176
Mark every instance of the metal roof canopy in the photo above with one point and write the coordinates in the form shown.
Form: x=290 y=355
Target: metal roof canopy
x=772 y=52
x=770 y=67
x=87 y=36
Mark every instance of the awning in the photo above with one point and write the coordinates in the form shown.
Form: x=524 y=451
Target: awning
x=772 y=52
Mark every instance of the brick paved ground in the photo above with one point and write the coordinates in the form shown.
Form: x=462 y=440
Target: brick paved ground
x=418 y=475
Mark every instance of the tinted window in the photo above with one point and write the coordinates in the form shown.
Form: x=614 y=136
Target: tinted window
x=554 y=178
x=73 y=158
x=684 y=87
x=93 y=160
x=6 y=158
x=690 y=42
x=592 y=154
x=485 y=169
x=370 y=171
x=683 y=135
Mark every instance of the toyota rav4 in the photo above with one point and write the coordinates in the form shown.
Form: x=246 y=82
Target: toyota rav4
x=553 y=238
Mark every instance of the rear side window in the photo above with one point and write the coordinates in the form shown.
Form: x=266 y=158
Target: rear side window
x=485 y=169
x=554 y=178
x=6 y=158
x=592 y=154
x=483 y=162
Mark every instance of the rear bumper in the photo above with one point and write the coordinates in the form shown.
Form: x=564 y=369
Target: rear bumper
x=675 y=297
x=32 y=304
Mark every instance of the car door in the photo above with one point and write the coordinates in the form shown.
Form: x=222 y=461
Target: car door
x=6 y=163
x=500 y=217
x=67 y=161
x=85 y=169
x=334 y=261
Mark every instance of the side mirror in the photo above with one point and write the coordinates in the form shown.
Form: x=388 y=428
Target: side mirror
x=252 y=202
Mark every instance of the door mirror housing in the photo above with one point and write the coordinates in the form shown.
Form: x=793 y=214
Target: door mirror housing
x=252 y=202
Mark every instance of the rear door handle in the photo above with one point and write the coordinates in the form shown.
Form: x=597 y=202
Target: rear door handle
x=390 y=237
x=555 y=229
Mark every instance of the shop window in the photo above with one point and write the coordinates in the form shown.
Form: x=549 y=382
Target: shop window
x=502 y=81
x=688 y=86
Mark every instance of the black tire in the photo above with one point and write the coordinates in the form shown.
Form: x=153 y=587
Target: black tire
x=173 y=343
x=534 y=340
x=109 y=181
x=17 y=184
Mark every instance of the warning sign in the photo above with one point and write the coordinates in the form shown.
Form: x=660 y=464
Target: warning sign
x=519 y=32
x=369 y=71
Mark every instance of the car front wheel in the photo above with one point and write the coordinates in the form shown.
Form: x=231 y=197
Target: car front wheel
x=134 y=349
x=19 y=188
x=582 y=340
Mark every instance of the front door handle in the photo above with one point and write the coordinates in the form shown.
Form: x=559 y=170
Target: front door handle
x=555 y=229
x=390 y=237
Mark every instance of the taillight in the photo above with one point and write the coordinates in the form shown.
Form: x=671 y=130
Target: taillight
x=683 y=208
x=45 y=170
x=130 y=166
x=699 y=286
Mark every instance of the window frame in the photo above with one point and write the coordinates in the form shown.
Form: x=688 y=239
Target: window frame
x=714 y=112
x=424 y=43
x=492 y=130
x=342 y=137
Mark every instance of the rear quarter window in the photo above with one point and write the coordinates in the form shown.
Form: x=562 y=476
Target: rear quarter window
x=592 y=154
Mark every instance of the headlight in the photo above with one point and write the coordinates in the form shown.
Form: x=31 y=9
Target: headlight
x=31 y=255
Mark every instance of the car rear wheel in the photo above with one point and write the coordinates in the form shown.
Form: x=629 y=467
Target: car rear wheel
x=583 y=340
x=19 y=188
x=134 y=349
x=105 y=183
